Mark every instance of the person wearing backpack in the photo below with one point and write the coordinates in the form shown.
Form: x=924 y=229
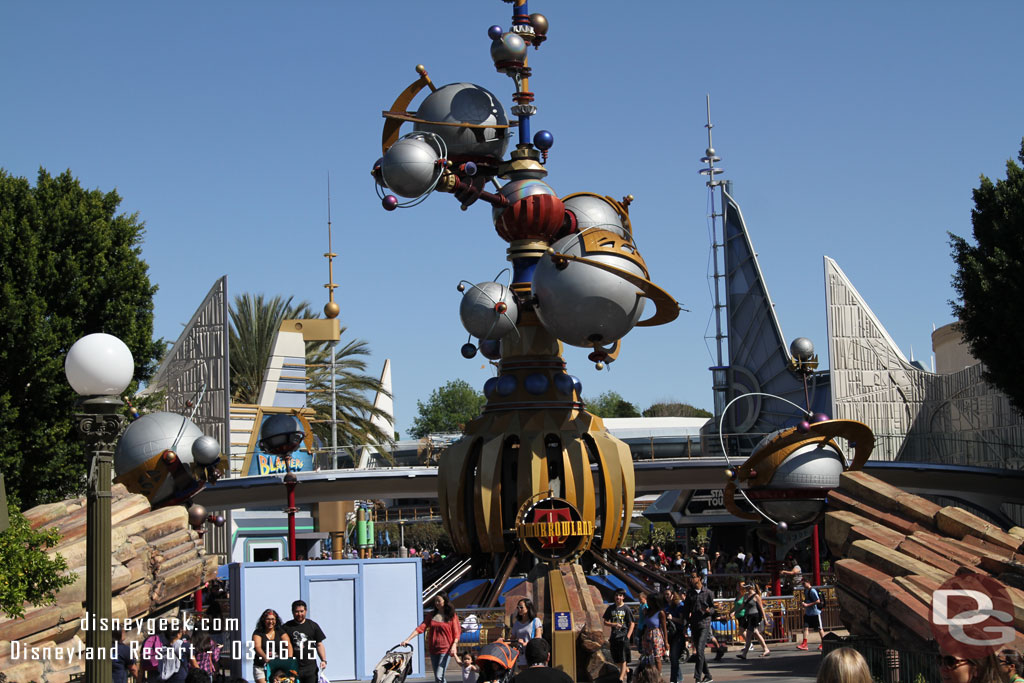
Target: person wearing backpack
x=151 y=656
x=174 y=665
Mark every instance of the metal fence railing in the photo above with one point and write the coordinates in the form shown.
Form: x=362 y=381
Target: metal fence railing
x=783 y=619
x=887 y=665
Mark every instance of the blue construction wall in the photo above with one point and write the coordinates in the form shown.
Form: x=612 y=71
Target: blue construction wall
x=364 y=607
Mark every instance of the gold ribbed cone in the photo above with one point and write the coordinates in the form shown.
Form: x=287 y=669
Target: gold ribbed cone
x=533 y=437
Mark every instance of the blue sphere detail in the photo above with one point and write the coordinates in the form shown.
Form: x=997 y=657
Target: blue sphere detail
x=468 y=350
x=490 y=349
x=470 y=168
x=495 y=32
x=506 y=385
x=537 y=383
x=490 y=386
x=564 y=384
x=577 y=384
x=543 y=140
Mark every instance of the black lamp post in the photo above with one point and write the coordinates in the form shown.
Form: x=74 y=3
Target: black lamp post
x=99 y=367
x=281 y=435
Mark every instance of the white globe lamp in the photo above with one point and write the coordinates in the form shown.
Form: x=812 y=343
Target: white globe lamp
x=99 y=365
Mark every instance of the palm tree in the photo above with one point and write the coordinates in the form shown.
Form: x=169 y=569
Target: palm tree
x=254 y=324
x=354 y=392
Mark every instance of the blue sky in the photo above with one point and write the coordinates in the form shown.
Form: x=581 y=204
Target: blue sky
x=853 y=130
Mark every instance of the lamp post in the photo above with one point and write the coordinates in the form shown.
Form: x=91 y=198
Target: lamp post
x=98 y=368
x=804 y=362
x=281 y=436
x=197 y=518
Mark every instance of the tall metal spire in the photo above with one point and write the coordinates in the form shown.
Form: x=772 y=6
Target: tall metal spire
x=710 y=170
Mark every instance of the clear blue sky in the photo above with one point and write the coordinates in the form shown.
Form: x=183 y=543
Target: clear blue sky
x=853 y=130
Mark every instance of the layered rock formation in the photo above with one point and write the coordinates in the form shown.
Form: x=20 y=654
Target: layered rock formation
x=156 y=560
x=898 y=548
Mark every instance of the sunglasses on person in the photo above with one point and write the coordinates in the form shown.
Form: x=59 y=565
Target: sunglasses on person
x=950 y=662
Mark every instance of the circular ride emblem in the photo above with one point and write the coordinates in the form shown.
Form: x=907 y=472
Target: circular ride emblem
x=972 y=616
x=553 y=530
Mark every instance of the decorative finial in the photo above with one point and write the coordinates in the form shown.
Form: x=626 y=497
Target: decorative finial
x=331 y=309
x=709 y=157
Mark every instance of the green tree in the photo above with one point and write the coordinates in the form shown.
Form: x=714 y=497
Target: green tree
x=990 y=276
x=255 y=321
x=675 y=409
x=611 y=404
x=70 y=265
x=449 y=409
x=27 y=574
x=426 y=535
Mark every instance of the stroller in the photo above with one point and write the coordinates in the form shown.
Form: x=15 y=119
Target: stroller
x=282 y=671
x=497 y=662
x=394 y=666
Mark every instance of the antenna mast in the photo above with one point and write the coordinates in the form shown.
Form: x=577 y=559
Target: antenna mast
x=720 y=379
x=331 y=310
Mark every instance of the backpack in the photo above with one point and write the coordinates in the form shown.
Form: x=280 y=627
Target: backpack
x=148 y=660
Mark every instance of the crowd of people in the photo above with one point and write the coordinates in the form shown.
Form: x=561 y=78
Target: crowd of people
x=657 y=558
x=282 y=651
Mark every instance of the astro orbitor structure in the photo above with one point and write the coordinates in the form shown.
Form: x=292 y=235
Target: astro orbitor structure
x=577 y=278
x=790 y=472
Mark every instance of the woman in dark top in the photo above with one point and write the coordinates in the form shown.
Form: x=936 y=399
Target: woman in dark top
x=754 y=615
x=270 y=642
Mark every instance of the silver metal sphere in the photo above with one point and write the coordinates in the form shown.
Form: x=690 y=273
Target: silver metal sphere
x=206 y=450
x=409 y=168
x=583 y=305
x=152 y=434
x=197 y=515
x=802 y=348
x=812 y=466
x=488 y=310
x=281 y=434
x=466 y=103
x=592 y=211
x=509 y=48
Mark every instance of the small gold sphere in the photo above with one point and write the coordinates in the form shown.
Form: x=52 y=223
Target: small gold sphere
x=420 y=69
x=599 y=365
x=332 y=309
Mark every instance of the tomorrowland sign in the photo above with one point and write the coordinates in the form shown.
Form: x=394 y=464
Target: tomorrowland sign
x=553 y=530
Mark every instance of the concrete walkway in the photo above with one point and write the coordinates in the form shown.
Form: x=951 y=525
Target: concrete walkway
x=785 y=663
